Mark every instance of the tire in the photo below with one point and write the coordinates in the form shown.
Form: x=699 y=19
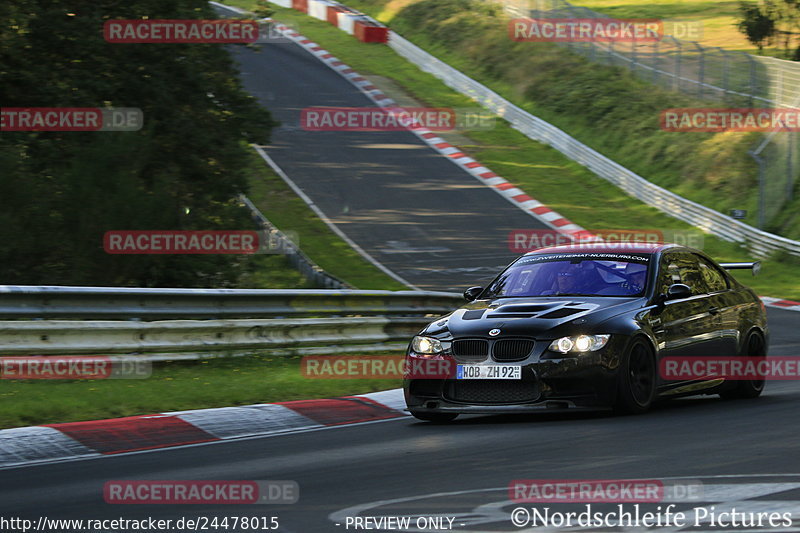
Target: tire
x=752 y=388
x=636 y=379
x=436 y=418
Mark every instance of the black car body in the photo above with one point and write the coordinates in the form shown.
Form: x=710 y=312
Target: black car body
x=626 y=309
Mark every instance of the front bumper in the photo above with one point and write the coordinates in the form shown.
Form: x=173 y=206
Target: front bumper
x=549 y=381
x=539 y=407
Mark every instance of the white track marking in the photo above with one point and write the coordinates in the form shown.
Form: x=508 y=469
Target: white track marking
x=278 y=170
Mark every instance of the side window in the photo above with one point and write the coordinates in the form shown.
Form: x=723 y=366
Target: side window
x=682 y=268
x=667 y=273
x=712 y=277
x=691 y=275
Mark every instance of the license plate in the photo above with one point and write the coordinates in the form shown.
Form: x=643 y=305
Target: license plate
x=489 y=372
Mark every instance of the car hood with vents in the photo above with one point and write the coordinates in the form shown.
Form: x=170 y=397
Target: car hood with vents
x=548 y=316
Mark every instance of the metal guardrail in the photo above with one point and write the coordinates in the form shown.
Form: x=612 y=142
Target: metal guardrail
x=195 y=339
x=26 y=302
x=760 y=243
x=234 y=320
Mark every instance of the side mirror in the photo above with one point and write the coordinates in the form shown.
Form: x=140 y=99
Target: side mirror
x=677 y=291
x=472 y=293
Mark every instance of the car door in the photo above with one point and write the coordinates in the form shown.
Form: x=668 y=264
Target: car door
x=723 y=308
x=685 y=326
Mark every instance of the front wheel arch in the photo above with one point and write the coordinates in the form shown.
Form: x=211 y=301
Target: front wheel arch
x=636 y=377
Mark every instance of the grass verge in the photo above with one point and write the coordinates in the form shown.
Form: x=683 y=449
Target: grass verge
x=718 y=19
x=540 y=170
x=271 y=272
x=173 y=386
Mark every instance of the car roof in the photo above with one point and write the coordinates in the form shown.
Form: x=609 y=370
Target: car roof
x=604 y=247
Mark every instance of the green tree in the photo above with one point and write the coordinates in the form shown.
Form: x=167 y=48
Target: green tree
x=756 y=24
x=61 y=191
x=771 y=21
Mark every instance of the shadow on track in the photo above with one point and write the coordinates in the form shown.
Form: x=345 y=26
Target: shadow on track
x=663 y=409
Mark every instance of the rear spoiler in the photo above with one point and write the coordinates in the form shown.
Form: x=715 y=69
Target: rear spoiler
x=755 y=266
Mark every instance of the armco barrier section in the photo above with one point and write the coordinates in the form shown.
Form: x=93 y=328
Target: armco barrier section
x=759 y=242
x=48 y=302
x=75 y=337
x=363 y=27
x=233 y=320
x=318 y=9
x=332 y=14
x=369 y=32
x=347 y=22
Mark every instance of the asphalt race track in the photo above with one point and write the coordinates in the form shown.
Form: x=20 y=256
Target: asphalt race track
x=384 y=188
x=460 y=470
x=403 y=203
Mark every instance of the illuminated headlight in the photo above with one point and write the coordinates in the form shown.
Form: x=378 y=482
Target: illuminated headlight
x=580 y=343
x=426 y=345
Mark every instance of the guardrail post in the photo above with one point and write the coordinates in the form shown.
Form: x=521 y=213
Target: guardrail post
x=656 y=60
x=790 y=165
x=761 y=177
x=725 y=73
x=702 y=73
x=678 y=64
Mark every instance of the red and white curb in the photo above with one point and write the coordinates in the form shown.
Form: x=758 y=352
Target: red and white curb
x=71 y=440
x=781 y=304
x=503 y=187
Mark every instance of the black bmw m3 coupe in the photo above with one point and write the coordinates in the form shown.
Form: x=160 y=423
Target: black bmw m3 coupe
x=587 y=326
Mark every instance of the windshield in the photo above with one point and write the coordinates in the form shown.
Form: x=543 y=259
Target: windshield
x=573 y=275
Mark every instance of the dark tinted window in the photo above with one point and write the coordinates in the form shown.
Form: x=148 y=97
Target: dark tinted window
x=680 y=267
x=668 y=273
x=713 y=279
x=583 y=274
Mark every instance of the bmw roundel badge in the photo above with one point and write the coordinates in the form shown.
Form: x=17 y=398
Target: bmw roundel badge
x=494 y=332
